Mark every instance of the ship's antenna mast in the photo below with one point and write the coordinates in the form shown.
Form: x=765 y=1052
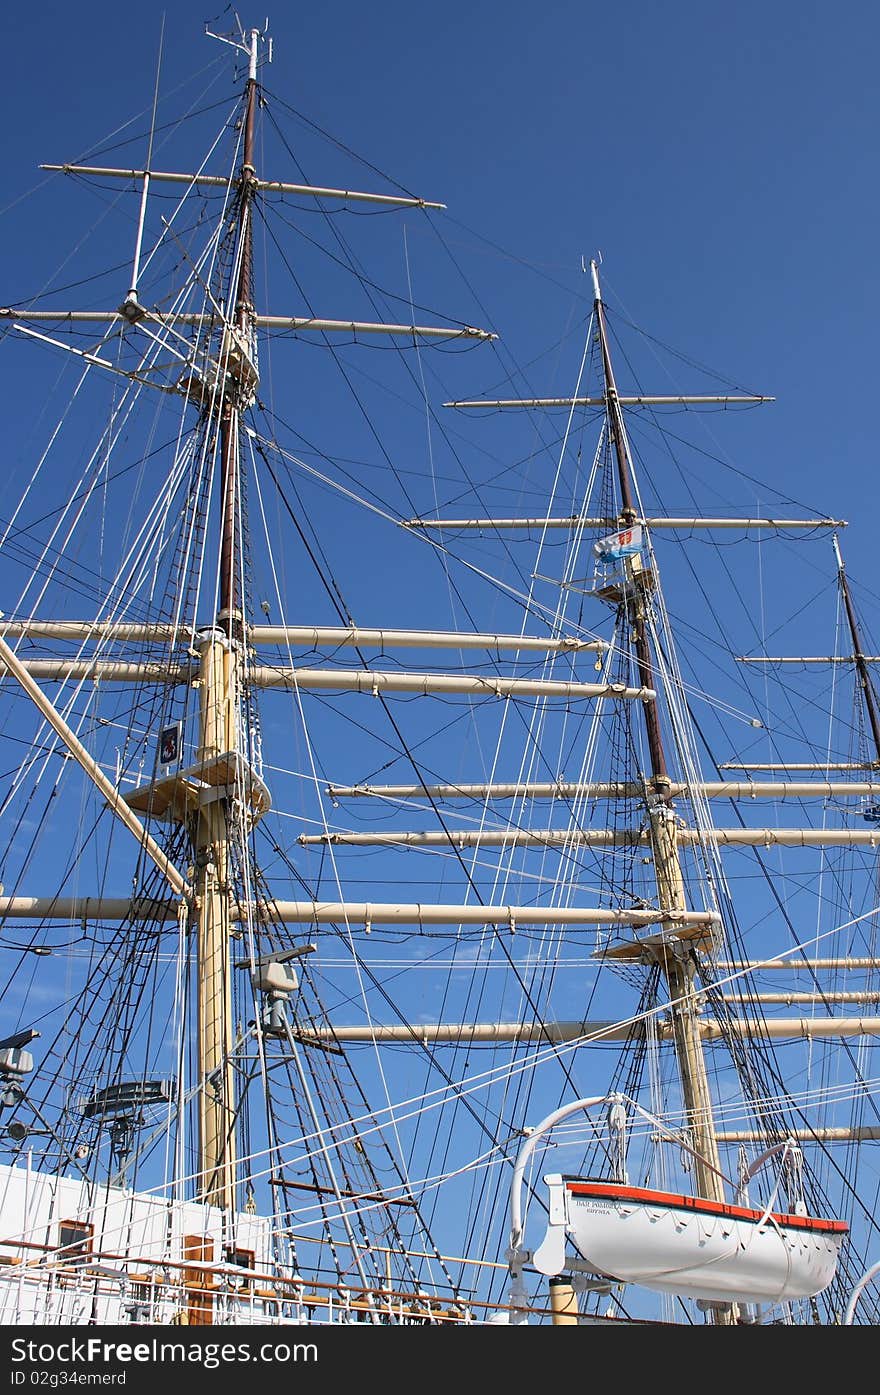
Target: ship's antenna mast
x=672 y=954
x=220 y=653
x=131 y=307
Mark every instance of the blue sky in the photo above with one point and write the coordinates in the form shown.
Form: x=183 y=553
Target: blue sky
x=722 y=158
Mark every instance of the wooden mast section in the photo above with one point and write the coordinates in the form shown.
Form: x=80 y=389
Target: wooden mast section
x=220 y=659
x=675 y=960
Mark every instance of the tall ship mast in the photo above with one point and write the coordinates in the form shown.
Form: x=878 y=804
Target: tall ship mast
x=374 y=948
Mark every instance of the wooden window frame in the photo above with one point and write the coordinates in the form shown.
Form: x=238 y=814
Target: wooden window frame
x=76 y=1246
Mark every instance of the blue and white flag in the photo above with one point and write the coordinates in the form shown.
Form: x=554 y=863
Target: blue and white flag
x=623 y=544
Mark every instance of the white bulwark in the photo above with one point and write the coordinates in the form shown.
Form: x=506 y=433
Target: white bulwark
x=72 y=1252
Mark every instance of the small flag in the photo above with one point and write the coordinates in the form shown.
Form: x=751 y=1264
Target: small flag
x=623 y=544
x=169 y=744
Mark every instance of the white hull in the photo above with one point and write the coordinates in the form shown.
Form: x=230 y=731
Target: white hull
x=137 y=1264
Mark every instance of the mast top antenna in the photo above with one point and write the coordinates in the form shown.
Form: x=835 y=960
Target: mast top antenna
x=594 y=268
x=836 y=545
x=247 y=41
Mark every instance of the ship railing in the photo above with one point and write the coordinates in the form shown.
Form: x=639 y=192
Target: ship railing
x=43 y=1289
x=39 y=1284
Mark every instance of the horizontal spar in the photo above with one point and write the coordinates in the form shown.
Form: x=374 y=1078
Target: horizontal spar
x=368 y=681
x=107 y=671
x=419 y=639
x=626 y=400
x=577 y=521
x=832 y=996
x=860 y=1133
x=79 y=908
x=366 y=327
x=808 y=659
x=357 y=680
x=340 y=912
x=804 y=765
x=603 y=837
x=314 y=636
x=219 y=181
x=79 y=630
x=465 y=1034
x=794 y=965
x=574 y=789
x=427 y=913
x=185 y=318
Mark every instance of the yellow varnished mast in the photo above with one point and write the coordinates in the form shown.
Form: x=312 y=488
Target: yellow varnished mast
x=219 y=686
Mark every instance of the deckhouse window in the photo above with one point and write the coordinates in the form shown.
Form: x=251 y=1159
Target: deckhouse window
x=245 y=1260
x=75 y=1241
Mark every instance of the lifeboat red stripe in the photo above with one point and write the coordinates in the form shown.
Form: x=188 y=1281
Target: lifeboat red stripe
x=678 y=1201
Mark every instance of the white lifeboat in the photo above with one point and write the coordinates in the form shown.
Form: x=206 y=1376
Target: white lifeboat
x=687 y=1245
